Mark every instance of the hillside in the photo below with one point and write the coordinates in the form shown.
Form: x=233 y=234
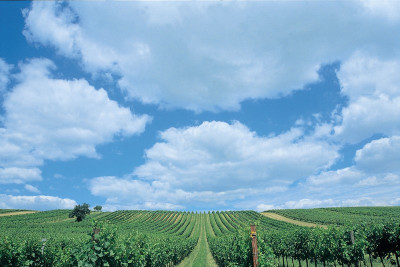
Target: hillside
x=343 y=216
x=168 y=238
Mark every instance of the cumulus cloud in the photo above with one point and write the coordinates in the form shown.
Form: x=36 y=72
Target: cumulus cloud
x=387 y=180
x=367 y=185
x=15 y=175
x=350 y=202
x=61 y=32
x=240 y=56
x=130 y=193
x=57 y=25
x=348 y=181
x=141 y=206
x=217 y=162
x=341 y=176
x=35 y=202
x=56 y=119
x=380 y=156
x=309 y=203
x=373 y=88
x=264 y=207
x=220 y=155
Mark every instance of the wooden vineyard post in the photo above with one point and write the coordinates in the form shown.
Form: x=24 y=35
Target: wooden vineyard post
x=352 y=242
x=254 y=244
x=352 y=237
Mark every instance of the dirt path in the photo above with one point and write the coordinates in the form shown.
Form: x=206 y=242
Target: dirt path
x=288 y=220
x=201 y=254
x=17 y=213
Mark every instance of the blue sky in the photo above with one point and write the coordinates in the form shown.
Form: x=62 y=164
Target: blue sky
x=215 y=105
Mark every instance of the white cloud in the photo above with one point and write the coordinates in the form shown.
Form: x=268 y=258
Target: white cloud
x=309 y=203
x=365 y=75
x=54 y=24
x=249 y=50
x=60 y=31
x=373 y=88
x=388 y=180
x=264 y=207
x=19 y=175
x=350 y=179
x=14 y=154
x=130 y=193
x=217 y=165
x=58 y=119
x=380 y=156
x=4 y=75
x=110 y=186
x=31 y=188
x=35 y=202
x=350 y=202
x=125 y=193
x=349 y=183
x=217 y=155
x=141 y=206
x=365 y=201
x=341 y=176
x=216 y=162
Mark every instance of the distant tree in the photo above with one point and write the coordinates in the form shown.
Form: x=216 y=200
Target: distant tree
x=80 y=212
x=98 y=208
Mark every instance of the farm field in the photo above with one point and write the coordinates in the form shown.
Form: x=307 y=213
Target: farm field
x=343 y=216
x=169 y=238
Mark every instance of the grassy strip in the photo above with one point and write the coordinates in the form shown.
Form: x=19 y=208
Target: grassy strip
x=17 y=213
x=201 y=254
x=278 y=217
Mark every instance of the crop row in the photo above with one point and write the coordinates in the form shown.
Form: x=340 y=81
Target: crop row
x=164 y=238
x=144 y=238
x=106 y=248
x=343 y=216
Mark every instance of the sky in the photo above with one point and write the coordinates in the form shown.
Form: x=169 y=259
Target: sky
x=199 y=105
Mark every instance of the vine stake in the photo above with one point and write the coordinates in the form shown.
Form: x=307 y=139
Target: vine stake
x=254 y=244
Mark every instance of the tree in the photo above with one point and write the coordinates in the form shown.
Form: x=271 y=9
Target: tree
x=80 y=212
x=98 y=208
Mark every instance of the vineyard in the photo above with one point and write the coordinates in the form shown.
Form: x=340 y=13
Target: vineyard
x=354 y=236
x=344 y=216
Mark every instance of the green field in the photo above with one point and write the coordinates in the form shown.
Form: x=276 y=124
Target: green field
x=343 y=216
x=169 y=238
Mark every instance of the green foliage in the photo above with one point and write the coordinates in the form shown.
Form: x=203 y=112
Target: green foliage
x=97 y=208
x=116 y=244
x=344 y=216
x=100 y=250
x=232 y=250
x=165 y=238
x=236 y=250
x=80 y=212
